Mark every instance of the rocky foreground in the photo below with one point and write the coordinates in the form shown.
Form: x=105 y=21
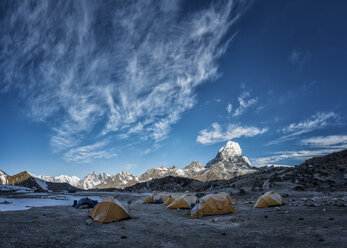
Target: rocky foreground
x=308 y=219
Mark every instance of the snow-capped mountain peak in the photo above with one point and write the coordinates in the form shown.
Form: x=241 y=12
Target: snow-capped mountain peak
x=229 y=150
x=92 y=179
x=74 y=181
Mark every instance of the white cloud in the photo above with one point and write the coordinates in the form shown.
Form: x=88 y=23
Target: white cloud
x=326 y=141
x=229 y=108
x=86 y=154
x=317 y=121
x=299 y=155
x=298 y=58
x=218 y=134
x=245 y=102
x=131 y=67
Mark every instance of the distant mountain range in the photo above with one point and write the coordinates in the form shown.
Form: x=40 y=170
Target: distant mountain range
x=228 y=163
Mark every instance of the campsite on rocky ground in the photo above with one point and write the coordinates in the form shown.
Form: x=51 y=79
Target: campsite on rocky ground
x=300 y=206
x=307 y=219
x=173 y=123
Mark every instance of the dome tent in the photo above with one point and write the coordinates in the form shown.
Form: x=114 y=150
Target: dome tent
x=150 y=198
x=185 y=201
x=213 y=204
x=157 y=198
x=109 y=210
x=269 y=199
x=172 y=198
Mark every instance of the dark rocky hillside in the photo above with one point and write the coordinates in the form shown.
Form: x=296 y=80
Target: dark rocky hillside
x=319 y=173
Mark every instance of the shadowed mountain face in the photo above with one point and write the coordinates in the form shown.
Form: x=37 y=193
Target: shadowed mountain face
x=26 y=179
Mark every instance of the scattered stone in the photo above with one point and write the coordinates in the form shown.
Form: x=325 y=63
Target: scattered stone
x=242 y=192
x=299 y=188
x=285 y=196
x=277 y=209
x=89 y=221
x=266 y=184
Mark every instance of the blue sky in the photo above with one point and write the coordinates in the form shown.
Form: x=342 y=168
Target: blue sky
x=103 y=86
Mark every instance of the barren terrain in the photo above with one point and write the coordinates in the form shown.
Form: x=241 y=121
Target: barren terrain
x=308 y=219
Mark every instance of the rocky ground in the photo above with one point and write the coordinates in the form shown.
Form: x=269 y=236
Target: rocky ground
x=308 y=219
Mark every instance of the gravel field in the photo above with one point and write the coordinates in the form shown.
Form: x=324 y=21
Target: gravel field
x=308 y=219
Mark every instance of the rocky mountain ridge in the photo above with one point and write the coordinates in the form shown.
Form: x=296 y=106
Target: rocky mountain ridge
x=327 y=173
x=228 y=163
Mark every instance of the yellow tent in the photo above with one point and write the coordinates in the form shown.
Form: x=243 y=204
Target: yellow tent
x=164 y=196
x=157 y=198
x=184 y=201
x=269 y=199
x=151 y=198
x=109 y=210
x=212 y=204
x=169 y=200
x=172 y=198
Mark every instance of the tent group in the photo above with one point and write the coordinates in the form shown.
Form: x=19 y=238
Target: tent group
x=172 y=201
x=110 y=210
x=210 y=204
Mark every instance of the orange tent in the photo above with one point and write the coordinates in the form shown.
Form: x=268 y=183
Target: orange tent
x=184 y=201
x=109 y=210
x=269 y=199
x=212 y=204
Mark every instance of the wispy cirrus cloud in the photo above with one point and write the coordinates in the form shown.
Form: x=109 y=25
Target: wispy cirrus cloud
x=218 y=134
x=317 y=121
x=229 y=108
x=86 y=154
x=245 y=101
x=332 y=141
x=314 y=146
x=299 y=58
x=299 y=155
x=130 y=67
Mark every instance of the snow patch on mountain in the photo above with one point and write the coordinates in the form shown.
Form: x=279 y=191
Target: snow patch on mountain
x=41 y=183
x=74 y=181
x=3 y=177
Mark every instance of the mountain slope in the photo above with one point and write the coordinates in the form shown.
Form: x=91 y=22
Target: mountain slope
x=228 y=163
x=92 y=180
x=119 y=181
x=3 y=177
x=74 y=181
